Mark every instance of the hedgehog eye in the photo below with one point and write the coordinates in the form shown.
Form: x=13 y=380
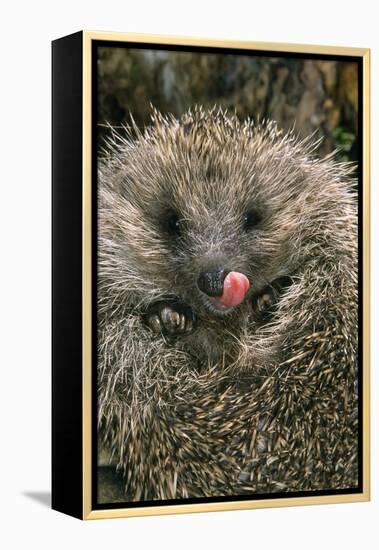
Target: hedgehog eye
x=172 y=222
x=251 y=219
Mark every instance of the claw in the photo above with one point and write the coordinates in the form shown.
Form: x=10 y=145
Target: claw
x=189 y=325
x=155 y=324
x=182 y=325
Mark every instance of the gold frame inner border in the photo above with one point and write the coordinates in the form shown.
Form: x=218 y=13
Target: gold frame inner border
x=88 y=38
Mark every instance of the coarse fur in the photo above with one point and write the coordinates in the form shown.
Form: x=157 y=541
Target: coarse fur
x=238 y=405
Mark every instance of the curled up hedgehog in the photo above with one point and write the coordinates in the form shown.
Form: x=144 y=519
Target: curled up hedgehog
x=227 y=312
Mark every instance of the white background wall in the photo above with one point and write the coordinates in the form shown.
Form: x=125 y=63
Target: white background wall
x=26 y=31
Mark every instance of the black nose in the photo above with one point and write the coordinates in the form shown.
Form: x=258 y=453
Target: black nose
x=212 y=282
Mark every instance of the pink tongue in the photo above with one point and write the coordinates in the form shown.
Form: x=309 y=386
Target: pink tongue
x=236 y=286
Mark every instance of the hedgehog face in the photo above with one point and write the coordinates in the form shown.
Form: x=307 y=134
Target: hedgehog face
x=210 y=239
x=219 y=253
x=209 y=215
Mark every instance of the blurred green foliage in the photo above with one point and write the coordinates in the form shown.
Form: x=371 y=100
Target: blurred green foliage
x=345 y=141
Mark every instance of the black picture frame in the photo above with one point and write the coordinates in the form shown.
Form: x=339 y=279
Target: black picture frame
x=74 y=294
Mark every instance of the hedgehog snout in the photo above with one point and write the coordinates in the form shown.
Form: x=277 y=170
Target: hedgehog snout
x=212 y=282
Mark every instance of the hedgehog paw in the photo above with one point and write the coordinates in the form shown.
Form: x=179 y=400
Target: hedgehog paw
x=265 y=302
x=172 y=318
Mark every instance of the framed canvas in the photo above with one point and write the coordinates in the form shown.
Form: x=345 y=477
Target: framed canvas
x=210 y=275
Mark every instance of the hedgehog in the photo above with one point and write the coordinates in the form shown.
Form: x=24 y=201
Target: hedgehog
x=227 y=311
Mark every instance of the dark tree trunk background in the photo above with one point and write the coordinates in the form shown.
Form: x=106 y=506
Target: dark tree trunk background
x=309 y=95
